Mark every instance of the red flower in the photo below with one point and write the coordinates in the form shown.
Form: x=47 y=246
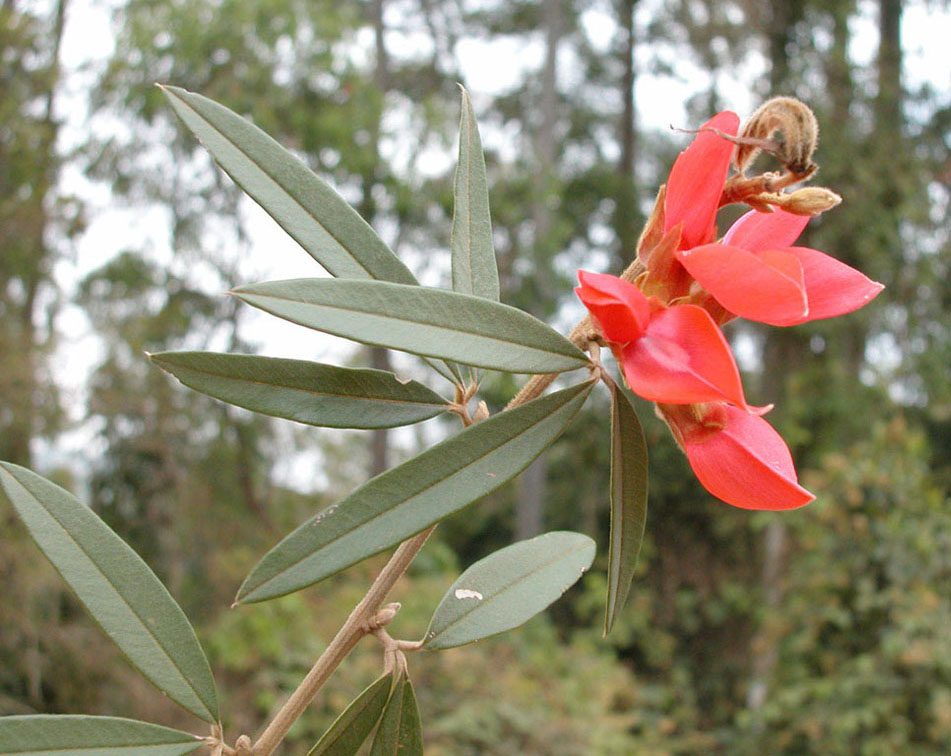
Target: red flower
x=737 y=457
x=675 y=355
x=696 y=181
x=755 y=273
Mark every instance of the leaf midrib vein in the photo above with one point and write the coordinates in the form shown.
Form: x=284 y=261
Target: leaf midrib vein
x=256 y=382
x=467 y=332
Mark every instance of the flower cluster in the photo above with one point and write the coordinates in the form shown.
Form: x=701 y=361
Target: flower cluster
x=664 y=324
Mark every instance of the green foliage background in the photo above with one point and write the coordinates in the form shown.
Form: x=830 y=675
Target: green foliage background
x=820 y=631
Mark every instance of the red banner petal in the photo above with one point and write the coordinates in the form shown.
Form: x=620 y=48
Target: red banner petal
x=832 y=287
x=758 y=231
x=767 y=287
x=683 y=358
x=696 y=181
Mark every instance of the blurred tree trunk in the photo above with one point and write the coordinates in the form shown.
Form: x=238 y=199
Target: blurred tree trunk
x=379 y=357
x=28 y=173
x=782 y=351
x=29 y=169
x=530 y=501
x=627 y=217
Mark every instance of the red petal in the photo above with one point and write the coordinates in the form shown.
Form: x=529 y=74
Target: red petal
x=758 y=231
x=833 y=288
x=683 y=358
x=619 y=307
x=747 y=464
x=766 y=287
x=696 y=181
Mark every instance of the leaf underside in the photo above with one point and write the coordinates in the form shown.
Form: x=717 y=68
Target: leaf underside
x=302 y=203
x=429 y=322
x=509 y=587
x=400 y=732
x=120 y=591
x=354 y=725
x=474 y=270
x=72 y=735
x=628 y=501
x=306 y=392
x=409 y=498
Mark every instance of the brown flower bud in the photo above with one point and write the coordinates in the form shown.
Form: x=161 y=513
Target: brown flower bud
x=384 y=616
x=242 y=746
x=481 y=413
x=810 y=200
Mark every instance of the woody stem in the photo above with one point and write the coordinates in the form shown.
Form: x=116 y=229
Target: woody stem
x=343 y=643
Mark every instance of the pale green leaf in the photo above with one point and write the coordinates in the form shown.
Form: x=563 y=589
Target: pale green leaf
x=307 y=392
x=628 y=501
x=509 y=587
x=72 y=735
x=400 y=732
x=409 y=498
x=120 y=591
x=354 y=725
x=474 y=269
x=305 y=206
x=430 y=322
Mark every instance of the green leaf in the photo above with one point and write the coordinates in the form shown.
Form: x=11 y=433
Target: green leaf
x=69 y=735
x=120 y=591
x=354 y=725
x=400 y=732
x=307 y=392
x=509 y=587
x=430 y=322
x=474 y=270
x=305 y=206
x=628 y=501
x=408 y=499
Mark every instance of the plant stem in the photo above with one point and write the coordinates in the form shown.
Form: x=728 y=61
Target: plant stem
x=346 y=638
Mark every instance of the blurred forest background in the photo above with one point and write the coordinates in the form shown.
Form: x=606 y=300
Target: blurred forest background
x=821 y=631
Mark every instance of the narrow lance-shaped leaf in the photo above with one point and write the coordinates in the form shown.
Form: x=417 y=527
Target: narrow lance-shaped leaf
x=72 y=735
x=409 y=498
x=305 y=206
x=509 y=587
x=354 y=725
x=628 y=501
x=474 y=269
x=400 y=732
x=430 y=322
x=307 y=392
x=120 y=591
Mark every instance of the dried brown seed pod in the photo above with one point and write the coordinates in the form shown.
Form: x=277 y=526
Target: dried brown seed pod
x=800 y=134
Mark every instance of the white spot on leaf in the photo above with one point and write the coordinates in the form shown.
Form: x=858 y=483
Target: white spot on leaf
x=464 y=593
